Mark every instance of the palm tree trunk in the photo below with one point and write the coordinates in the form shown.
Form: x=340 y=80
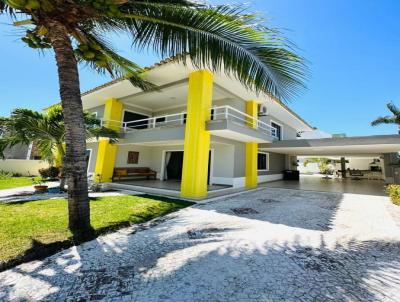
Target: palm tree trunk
x=75 y=135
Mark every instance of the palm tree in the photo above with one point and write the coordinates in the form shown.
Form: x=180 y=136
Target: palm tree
x=47 y=131
x=223 y=37
x=394 y=119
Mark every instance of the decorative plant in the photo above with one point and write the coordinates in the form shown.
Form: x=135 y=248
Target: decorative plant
x=322 y=163
x=47 y=131
x=394 y=193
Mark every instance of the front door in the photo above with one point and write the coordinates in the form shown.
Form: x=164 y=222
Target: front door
x=174 y=165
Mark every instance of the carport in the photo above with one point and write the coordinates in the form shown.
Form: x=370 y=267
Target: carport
x=382 y=147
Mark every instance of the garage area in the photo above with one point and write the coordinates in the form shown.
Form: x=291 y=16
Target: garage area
x=357 y=165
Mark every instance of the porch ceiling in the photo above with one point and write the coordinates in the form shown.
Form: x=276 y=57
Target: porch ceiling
x=361 y=145
x=172 y=95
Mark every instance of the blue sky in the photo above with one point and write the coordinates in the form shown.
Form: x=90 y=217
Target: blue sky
x=353 y=48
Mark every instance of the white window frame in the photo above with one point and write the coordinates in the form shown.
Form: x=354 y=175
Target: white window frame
x=90 y=158
x=279 y=124
x=267 y=160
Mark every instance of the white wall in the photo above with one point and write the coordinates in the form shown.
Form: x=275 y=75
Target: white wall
x=145 y=156
x=23 y=166
x=353 y=163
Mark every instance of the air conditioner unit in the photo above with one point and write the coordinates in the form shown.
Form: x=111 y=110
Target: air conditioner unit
x=262 y=110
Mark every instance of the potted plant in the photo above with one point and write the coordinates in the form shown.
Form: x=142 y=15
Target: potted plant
x=39 y=186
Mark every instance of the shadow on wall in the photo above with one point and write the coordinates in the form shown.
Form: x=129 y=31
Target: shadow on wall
x=174 y=262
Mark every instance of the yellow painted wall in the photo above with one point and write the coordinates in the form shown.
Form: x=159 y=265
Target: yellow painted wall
x=107 y=152
x=251 y=164
x=106 y=156
x=113 y=114
x=251 y=148
x=197 y=138
x=252 y=110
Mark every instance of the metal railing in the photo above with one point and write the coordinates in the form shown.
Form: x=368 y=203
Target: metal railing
x=168 y=120
x=235 y=115
x=176 y=119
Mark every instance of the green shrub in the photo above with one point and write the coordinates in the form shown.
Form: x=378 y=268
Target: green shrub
x=394 y=193
x=51 y=172
x=5 y=174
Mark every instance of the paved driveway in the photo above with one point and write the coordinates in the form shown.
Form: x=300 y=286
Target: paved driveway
x=266 y=245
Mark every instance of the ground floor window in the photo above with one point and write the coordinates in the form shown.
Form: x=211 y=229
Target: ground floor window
x=262 y=161
x=87 y=156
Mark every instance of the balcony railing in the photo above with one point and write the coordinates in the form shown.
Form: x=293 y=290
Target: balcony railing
x=169 y=120
x=176 y=119
x=237 y=116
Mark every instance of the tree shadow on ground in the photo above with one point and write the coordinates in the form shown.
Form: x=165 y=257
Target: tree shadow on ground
x=40 y=250
x=180 y=261
x=295 y=208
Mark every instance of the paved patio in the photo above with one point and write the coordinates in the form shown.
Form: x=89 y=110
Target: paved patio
x=340 y=185
x=270 y=244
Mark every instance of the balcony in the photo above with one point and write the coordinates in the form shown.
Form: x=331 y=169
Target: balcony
x=229 y=122
x=226 y=122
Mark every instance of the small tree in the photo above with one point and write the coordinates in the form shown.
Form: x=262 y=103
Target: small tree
x=322 y=163
x=394 y=119
x=47 y=131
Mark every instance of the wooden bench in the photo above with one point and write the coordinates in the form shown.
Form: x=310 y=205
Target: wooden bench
x=133 y=172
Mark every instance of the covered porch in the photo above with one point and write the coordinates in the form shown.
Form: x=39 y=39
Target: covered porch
x=320 y=183
x=170 y=185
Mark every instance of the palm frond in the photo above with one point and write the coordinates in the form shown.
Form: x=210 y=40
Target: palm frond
x=393 y=109
x=384 y=120
x=218 y=38
x=117 y=66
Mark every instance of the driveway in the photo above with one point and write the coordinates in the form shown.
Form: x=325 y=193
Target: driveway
x=266 y=245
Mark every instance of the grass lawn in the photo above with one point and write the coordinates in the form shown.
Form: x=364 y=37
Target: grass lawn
x=30 y=230
x=15 y=182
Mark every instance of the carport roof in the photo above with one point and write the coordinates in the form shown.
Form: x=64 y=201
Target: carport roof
x=356 y=145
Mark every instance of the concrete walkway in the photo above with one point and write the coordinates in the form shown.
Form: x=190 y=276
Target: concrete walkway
x=266 y=245
x=319 y=183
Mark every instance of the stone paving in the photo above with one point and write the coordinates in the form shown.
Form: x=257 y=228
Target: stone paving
x=265 y=245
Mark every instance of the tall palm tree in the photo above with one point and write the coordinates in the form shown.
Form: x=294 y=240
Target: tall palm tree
x=394 y=119
x=47 y=131
x=223 y=37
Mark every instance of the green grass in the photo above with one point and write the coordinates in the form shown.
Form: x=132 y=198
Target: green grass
x=31 y=230
x=15 y=182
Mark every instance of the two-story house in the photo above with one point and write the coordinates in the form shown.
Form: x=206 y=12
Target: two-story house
x=198 y=131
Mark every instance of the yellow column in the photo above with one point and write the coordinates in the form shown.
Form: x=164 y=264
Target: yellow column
x=113 y=114
x=252 y=110
x=197 y=138
x=107 y=152
x=251 y=148
x=106 y=156
x=251 y=164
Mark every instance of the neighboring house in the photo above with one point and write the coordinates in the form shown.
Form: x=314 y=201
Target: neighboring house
x=22 y=159
x=21 y=151
x=202 y=129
